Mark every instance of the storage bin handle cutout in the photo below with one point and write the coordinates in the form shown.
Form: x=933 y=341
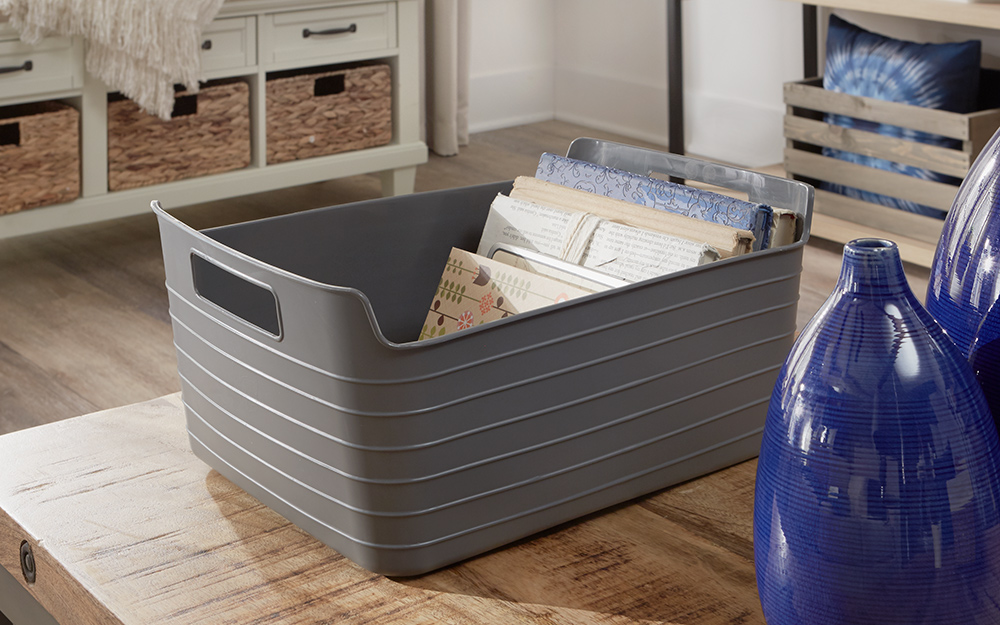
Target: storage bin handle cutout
x=250 y=301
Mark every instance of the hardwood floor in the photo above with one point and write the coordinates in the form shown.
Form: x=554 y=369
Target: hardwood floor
x=83 y=311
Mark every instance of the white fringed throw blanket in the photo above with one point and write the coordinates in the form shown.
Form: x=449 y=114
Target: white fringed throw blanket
x=139 y=47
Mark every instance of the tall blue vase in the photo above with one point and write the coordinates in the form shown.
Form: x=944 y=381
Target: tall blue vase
x=877 y=499
x=965 y=273
x=984 y=357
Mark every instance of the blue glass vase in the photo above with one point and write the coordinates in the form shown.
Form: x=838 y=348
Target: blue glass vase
x=965 y=273
x=878 y=482
x=984 y=357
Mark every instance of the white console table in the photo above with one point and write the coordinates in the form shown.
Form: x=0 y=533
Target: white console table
x=249 y=39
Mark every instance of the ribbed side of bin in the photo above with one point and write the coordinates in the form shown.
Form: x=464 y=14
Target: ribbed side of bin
x=406 y=456
x=39 y=155
x=446 y=436
x=375 y=411
x=495 y=436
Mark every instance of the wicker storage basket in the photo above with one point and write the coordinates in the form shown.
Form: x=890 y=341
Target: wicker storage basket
x=39 y=155
x=328 y=112
x=209 y=134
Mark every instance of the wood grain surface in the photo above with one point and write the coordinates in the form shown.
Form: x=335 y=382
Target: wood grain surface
x=809 y=94
x=880 y=218
x=937 y=194
x=916 y=154
x=127 y=526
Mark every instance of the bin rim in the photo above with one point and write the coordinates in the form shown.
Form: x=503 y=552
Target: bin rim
x=764 y=188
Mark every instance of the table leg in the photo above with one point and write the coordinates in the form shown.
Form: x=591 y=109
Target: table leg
x=675 y=81
x=398 y=181
x=810 y=41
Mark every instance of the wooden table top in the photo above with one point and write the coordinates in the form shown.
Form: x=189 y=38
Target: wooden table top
x=128 y=526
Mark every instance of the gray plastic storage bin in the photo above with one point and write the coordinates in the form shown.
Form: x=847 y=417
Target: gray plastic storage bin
x=304 y=384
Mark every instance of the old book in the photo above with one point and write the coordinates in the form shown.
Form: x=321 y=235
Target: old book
x=475 y=290
x=659 y=194
x=727 y=240
x=786 y=228
x=583 y=238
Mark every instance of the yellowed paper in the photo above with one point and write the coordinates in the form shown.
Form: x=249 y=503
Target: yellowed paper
x=617 y=249
x=475 y=290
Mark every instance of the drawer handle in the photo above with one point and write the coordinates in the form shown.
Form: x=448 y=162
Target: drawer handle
x=26 y=67
x=206 y=45
x=306 y=33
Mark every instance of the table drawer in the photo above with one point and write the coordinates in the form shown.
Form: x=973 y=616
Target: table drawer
x=229 y=44
x=328 y=35
x=54 y=64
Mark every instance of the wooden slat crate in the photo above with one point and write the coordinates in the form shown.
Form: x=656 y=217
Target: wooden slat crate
x=840 y=218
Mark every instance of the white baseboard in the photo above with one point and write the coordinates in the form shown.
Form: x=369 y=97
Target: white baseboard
x=729 y=130
x=618 y=129
x=608 y=103
x=508 y=122
x=510 y=99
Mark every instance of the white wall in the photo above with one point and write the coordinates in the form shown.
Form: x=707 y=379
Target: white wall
x=602 y=63
x=737 y=56
x=611 y=66
x=512 y=64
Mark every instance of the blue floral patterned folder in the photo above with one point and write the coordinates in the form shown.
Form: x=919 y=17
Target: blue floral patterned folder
x=661 y=194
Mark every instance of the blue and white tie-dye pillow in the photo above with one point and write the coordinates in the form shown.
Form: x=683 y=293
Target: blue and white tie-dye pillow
x=941 y=76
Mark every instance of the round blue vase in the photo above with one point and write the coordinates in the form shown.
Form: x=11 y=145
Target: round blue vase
x=965 y=273
x=877 y=499
x=984 y=357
